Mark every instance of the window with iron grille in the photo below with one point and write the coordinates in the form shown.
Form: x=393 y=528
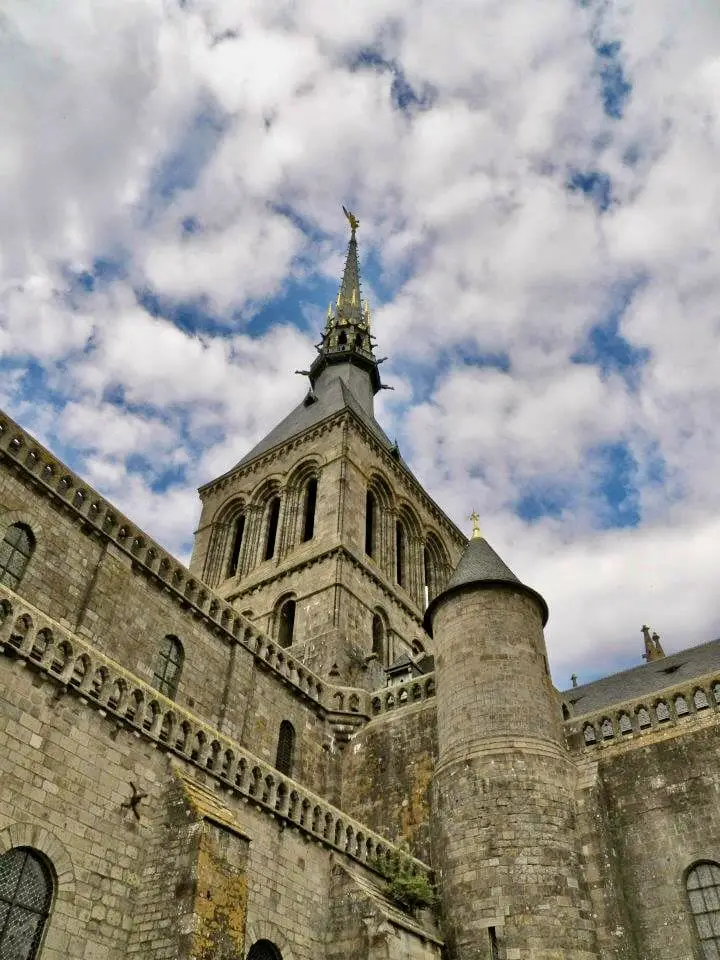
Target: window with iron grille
x=15 y=551
x=169 y=664
x=286 y=748
x=264 y=950
x=703 y=890
x=25 y=897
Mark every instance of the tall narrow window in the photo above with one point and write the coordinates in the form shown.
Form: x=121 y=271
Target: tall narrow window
x=169 y=665
x=286 y=623
x=703 y=890
x=426 y=576
x=272 y=527
x=309 y=509
x=370 y=510
x=26 y=888
x=400 y=553
x=15 y=551
x=238 y=533
x=286 y=748
x=378 y=637
x=494 y=952
x=342 y=340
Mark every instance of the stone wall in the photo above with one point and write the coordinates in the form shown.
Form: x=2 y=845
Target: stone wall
x=90 y=585
x=660 y=795
x=387 y=769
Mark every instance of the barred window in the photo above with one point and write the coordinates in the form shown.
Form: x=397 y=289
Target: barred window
x=15 y=551
x=286 y=748
x=703 y=889
x=25 y=897
x=169 y=665
x=264 y=950
x=237 y=542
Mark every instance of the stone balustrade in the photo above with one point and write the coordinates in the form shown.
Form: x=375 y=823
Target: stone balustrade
x=187 y=590
x=402 y=694
x=632 y=718
x=66 y=659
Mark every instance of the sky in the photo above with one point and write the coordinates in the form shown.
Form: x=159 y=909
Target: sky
x=537 y=187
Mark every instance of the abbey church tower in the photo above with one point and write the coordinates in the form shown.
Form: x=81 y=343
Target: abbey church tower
x=321 y=534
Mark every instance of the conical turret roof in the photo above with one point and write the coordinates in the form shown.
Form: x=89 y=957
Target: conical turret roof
x=481 y=566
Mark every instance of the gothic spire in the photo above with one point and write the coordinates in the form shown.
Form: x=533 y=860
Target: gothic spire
x=346 y=338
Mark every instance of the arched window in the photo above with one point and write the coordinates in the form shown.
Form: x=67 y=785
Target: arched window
x=237 y=541
x=370 y=520
x=703 y=890
x=26 y=889
x=272 y=527
x=342 y=340
x=309 y=509
x=378 y=637
x=286 y=623
x=359 y=341
x=400 y=553
x=16 y=549
x=286 y=748
x=169 y=664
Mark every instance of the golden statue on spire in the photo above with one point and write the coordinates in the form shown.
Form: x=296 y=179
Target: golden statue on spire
x=476 y=535
x=352 y=219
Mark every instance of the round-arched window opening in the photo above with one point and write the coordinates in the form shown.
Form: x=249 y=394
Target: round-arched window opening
x=286 y=623
x=264 y=950
x=378 y=637
x=26 y=888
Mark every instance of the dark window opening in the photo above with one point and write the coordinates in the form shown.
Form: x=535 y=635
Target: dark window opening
x=400 y=553
x=565 y=712
x=378 y=637
x=25 y=898
x=359 y=341
x=370 y=524
x=342 y=339
x=703 y=891
x=310 y=504
x=169 y=665
x=286 y=623
x=272 y=527
x=286 y=748
x=16 y=550
x=238 y=533
x=494 y=951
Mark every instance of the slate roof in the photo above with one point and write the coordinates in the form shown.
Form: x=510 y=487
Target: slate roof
x=646 y=679
x=334 y=397
x=480 y=564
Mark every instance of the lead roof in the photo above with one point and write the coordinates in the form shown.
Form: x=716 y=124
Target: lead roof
x=645 y=680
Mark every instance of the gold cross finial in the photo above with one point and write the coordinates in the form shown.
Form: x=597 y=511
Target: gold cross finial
x=352 y=220
x=476 y=535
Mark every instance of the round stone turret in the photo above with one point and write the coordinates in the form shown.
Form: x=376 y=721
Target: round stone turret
x=505 y=847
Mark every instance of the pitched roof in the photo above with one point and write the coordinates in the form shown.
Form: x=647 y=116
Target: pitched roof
x=334 y=397
x=646 y=679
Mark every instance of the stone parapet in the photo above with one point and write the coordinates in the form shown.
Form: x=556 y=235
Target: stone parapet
x=81 y=670
x=682 y=704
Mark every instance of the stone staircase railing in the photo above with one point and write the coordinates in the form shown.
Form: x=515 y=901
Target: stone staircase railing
x=63 y=657
x=188 y=591
x=402 y=694
x=632 y=718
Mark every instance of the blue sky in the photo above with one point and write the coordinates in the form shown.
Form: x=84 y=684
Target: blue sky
x=539 y=212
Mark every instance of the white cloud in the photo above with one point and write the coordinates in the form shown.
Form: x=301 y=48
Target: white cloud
x=124 y=123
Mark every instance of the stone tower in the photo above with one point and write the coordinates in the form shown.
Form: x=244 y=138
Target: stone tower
x=504 y=835
x=321 y=534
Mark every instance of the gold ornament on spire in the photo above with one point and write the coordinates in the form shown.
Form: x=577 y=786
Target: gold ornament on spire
x=352 y=220
x=476 y=535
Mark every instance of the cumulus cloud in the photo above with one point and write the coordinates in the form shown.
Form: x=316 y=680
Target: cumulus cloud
x=540 y=209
